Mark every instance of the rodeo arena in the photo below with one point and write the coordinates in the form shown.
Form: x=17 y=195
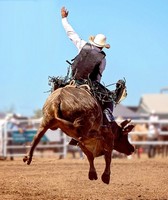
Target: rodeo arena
x=59 y=169
x=149 y=136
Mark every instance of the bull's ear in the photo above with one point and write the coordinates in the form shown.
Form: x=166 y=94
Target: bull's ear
x=128 y=129
x=125 y=122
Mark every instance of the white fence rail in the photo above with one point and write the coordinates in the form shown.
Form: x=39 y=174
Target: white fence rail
x=15 y=143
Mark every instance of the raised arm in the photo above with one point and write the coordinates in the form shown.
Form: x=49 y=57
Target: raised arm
x=73 y=36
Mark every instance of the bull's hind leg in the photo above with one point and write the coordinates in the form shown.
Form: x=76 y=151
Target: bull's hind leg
x=73 y=130
x=41 y=131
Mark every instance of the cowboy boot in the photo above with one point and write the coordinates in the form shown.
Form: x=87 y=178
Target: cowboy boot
x=109 y=120
x=73 y=142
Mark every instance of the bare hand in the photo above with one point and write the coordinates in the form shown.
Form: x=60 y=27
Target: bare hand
x=64 y=12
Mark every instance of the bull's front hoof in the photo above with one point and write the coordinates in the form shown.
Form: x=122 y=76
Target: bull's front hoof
x=93 y=176
x=105 y=178
x=27 y=159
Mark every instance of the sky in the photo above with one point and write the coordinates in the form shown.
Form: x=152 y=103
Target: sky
x=34 y=46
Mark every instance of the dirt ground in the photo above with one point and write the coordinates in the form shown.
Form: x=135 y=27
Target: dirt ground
x=67 y=179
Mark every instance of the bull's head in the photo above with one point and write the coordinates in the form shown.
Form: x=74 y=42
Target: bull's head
x=121 y=142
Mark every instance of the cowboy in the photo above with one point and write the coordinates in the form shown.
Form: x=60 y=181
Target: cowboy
x=90 y=62
x=94 y=61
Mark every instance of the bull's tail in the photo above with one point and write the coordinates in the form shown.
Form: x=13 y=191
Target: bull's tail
x=66 y=126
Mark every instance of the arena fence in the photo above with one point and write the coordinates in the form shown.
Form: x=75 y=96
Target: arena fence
x=160 y=124
x=16 y=142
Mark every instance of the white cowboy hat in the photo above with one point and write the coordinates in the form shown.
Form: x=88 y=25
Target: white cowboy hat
x=99 y=40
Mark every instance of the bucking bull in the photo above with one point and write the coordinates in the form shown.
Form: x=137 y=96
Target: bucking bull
x=78 y=114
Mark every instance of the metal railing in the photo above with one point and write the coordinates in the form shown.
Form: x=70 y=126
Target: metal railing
x=17 y=146
x=14 y=143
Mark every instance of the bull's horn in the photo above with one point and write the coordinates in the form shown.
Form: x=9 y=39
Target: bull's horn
x=128 y=129
x=125 y=122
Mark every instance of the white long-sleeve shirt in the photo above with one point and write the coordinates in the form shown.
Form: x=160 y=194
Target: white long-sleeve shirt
x=79 y=43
